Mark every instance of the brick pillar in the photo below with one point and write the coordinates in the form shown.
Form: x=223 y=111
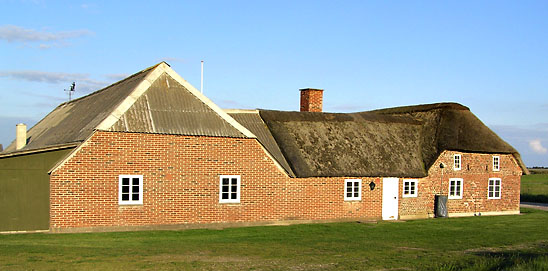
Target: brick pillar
x=311 y=100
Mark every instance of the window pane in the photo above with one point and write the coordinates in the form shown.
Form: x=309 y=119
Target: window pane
x=490 y=194
x=224 y=195
x=225 y=189
x=356 y=194
x=356 y=184
x=225 y=181
x=349 y=194
x=135 y=196
x=125 y=196
x=234 y=181
x=135 y=181
x=125 y=181
x=233 y=195
x=125 y=189
x=234 y=189
x=349 y=189
x=135 y=189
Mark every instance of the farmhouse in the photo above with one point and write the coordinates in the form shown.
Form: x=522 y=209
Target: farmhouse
x=152 y=152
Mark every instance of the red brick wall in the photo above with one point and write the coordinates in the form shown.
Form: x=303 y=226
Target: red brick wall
x=476 y=169
x=311 y=100
x=181 y=185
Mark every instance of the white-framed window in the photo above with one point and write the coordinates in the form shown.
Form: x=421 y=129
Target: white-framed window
x=410 y=188
x=496 y=163
x=493 y=190
x=130 y=189
x=455 y=188
x=352 y=189
x=457 y=161
x=229 y=189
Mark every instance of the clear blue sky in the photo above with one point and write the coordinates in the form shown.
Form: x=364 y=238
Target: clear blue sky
x=491 y=56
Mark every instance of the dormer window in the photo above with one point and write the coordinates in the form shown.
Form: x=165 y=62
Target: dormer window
x=496 y=163
x=457 y=160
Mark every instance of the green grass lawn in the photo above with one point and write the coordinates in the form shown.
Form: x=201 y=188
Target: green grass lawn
x=517 y=242
x=534 y=188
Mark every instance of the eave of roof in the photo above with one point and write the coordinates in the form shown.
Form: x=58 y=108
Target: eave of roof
x=45 y=149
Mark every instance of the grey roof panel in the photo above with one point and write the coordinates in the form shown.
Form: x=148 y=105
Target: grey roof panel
x=74 y=121
x=168 y=107
x=253 y=122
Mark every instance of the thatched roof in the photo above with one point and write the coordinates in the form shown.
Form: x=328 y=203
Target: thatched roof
x=398 y=142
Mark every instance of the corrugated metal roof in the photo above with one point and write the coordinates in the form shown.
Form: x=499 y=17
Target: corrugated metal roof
x=168 y=107
x=253 y=122
x=74 y=121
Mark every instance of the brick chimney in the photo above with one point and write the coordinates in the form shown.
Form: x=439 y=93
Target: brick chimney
x=311 y=100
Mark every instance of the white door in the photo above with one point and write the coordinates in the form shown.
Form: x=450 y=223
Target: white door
x=390 y=198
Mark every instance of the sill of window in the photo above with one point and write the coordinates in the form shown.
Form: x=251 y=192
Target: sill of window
x=454 y=198
x=229 y=203
x=352 y=200
x=130 y=205
x=409 y=196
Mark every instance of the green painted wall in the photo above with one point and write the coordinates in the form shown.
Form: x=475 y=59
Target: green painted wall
x=24 y=190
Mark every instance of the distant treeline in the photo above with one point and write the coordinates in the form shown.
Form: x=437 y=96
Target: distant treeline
x=538 y=170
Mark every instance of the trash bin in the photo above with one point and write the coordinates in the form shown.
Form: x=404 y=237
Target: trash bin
x=440 y=206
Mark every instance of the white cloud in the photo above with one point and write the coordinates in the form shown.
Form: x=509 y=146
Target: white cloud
x=537 y=147
x=83 y=82
x=13 y=33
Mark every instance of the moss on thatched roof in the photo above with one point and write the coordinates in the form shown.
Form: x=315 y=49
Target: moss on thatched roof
x=398 y=142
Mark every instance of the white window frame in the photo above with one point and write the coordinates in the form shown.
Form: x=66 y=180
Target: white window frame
x=494 y=185
x=238 y=188
x=352 y=197
x=496 y=163
x=131 y=187
x=412 y=193
x=457 y=162
x=455 y=196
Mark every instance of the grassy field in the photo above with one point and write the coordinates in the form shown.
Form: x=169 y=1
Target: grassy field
x=534 y=188
x=473 y=243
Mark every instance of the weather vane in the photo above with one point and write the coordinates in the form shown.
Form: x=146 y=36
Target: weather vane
x=71 y=90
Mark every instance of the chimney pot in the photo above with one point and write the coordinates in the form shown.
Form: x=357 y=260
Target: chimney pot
x=311 y=100
x=20 y=136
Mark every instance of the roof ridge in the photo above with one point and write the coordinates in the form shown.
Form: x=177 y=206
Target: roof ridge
x=420 y=108
x=113 y=84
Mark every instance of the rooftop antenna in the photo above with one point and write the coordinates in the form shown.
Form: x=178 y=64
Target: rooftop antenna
x=71 y=90
x=202 y=79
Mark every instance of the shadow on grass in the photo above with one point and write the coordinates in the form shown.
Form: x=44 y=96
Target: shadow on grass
x=532 y=258
x=534 y=198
